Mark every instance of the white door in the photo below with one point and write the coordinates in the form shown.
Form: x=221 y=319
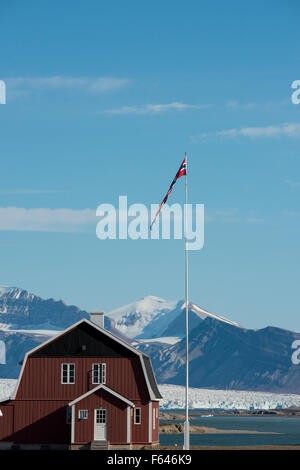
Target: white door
x=100 y=424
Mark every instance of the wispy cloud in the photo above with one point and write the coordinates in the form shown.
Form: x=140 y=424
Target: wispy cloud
x=293 y=184
x=47 y=220
x=88 y=84
x=287 y=130
x=232 y=215
x=291 y=213
x=266 y=106
x=155 y=108
x=236 y=105
x=24 y=192
x=255 y=220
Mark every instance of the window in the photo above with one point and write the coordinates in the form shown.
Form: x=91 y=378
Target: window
x=99 y=373
x=83 y=414
x=101 y=416
x=154 y=418
x=137 y=416
x=69 y=415
x=68 y=373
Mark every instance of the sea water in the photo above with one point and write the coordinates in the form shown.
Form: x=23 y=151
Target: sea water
x=287 y=429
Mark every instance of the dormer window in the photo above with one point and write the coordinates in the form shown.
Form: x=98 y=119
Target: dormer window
x=99 y=373
x=68 y=373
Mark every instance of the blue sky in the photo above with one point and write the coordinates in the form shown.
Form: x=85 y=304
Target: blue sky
x=103 y=99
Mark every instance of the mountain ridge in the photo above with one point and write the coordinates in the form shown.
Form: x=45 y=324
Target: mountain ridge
x=222 y=353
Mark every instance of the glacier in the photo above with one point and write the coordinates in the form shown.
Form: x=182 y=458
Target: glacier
x=201 y=398
x=174 y=397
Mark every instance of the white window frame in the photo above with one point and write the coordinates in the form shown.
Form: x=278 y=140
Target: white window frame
x=101 y=373
x=68 y=364
x=154 y=419
x=135 y=414
x=83 y=414
x=102 y=416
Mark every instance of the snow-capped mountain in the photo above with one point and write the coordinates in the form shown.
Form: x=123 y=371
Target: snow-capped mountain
x=153 y=317
x=20 y=309
x=147 y=317
x=223 y=354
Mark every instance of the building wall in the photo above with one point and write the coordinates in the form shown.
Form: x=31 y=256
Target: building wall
x=38 y=414
x=35 y=422
x=140 y=432
x=6 y=421
x=116 y=418
x=155 y=421
x=38 y=422
x=41 y=378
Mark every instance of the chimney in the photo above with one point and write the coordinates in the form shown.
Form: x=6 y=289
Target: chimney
x=97 y=317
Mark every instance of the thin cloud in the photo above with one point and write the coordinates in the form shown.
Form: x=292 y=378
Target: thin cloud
x=267 y=106
x=291 y=213
x=47 y=220
x=254 y=220
x=155 y=108
x=93 y=85
x=282 y=130
x=236 y=105
x=293 y=184
x=24 y=192
x=232 y=215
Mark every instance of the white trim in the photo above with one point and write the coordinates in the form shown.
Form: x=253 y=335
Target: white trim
x=150 y=422
x=109 y=390
x=68 y=364
x=95 y=422
x=101 y=375
x=1 y=414
x=85 y=412
x=73 y=425
x=135 y=410
x=128 y=424
x=102 y=330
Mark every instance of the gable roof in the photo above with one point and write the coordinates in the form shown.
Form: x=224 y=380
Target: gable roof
x=83 y=341
x=106 y=389
x=144 y=359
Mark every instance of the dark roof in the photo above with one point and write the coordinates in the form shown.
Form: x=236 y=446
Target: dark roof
x=151 y=377
x=83 y=341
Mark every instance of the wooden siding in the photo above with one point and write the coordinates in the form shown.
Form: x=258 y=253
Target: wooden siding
x=41 y=378
x=38 y=414
x=36 y=422
x=6 y=421
x=140 y=432
x=155 y=429
x=116 y=418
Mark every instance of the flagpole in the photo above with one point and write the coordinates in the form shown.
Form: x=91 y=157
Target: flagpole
x=186 y=424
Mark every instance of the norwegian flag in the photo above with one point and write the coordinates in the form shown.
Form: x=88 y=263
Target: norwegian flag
x=180 y=172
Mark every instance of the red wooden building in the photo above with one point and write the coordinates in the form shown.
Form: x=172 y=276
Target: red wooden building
x=84 y=388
